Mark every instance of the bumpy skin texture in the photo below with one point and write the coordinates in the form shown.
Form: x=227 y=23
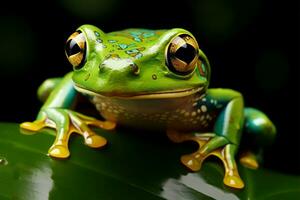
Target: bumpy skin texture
x=154 y=80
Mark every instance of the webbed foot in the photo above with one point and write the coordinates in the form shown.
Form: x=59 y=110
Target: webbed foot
x=66 y=122
x=210 y=144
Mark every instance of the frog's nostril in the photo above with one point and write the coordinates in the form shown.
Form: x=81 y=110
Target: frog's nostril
x=101 y=66
x=134 y=68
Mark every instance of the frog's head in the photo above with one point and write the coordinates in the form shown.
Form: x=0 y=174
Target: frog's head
x=137 y=63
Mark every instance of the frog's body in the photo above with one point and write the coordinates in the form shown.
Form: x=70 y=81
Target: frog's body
x=152 y=80
x=144 y=113
x=195 y=112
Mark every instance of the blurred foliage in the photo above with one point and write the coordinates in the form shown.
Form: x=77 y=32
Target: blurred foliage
x=253 y=47
x=90 y=9
x=273 y=65
x=17 y=45
x=221 y=19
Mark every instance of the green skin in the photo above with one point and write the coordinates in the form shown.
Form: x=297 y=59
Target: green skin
x=125 y=75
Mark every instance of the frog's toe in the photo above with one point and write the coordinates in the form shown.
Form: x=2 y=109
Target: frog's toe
x=95 y=141
x=233 y=181
x=248 y=159
x=33 y=126
x=59 y=151
x=108 y=125
x=191 y=162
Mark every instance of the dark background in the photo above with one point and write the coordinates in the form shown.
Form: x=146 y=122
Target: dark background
x=253 y=47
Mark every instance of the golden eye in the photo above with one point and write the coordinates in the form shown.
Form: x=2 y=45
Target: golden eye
x=182 y=54
x=75 y=49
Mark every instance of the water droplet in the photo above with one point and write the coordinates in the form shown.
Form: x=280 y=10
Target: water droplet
x=3 y=161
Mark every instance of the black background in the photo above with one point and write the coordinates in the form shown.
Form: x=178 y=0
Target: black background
x=253 y=47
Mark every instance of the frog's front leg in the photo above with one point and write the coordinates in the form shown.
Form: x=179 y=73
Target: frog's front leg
x=55 y=114
x=224 y=140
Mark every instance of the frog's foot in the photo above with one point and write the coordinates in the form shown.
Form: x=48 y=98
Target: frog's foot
x=66 y=122
x=192 y=161
x=210 y=144
x=248 y=159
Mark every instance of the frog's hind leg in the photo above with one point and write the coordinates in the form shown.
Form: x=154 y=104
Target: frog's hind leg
x=210 y=144
x=259 y=132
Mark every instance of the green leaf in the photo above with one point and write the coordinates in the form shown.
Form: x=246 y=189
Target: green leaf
x=135 y=165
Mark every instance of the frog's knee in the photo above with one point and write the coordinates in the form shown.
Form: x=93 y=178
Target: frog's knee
x=46 y=88
x=263 y=130
x=260 y=127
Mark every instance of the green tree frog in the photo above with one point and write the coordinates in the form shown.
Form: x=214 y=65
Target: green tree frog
x=153 y=80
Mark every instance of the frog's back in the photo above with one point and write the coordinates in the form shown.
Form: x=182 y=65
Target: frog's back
x=137 y=35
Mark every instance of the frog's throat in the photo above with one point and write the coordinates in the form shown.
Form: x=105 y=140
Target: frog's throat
x=153 y=95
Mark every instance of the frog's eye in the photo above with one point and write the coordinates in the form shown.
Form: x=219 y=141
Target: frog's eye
x=75 y=49
x=182 y=54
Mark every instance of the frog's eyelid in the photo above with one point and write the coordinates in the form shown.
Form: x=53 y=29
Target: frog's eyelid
x=205 y=62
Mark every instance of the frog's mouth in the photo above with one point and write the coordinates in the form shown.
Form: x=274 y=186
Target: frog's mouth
x=145 y=95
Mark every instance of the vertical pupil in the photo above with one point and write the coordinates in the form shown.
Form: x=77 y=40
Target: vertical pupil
x=72 y=47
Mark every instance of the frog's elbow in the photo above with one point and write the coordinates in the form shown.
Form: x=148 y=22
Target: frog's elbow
x=237 y=95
